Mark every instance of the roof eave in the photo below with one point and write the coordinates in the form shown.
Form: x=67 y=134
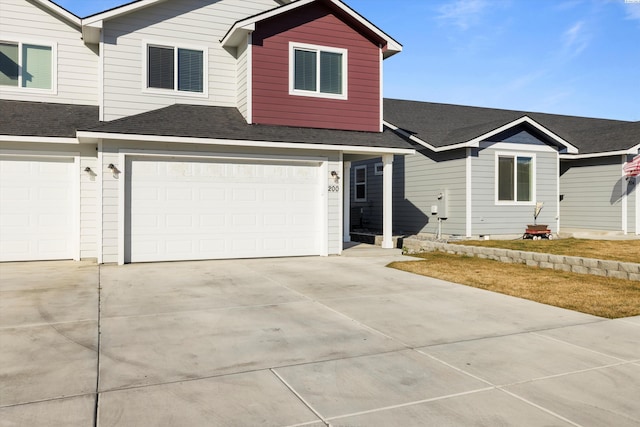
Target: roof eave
x=92 y=136
x=119 y=11
x=570 y=148
x=475 y=142
x=60 y=12
x=239 y=30
x=631 y=151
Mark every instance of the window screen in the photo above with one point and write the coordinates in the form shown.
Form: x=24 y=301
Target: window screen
x=330 y=72
x=524 y=179
x=9 y=64
x=36 y=66
x=305 y=70
x=190 y=70
x=161 y=64
x=505 y=178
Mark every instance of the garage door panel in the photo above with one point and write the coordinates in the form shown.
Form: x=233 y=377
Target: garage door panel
x=203 y=209
x=36 y=208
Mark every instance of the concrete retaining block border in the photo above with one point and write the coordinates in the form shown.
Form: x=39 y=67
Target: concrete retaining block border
x=620 y=270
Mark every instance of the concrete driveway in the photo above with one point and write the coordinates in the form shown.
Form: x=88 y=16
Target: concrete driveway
x=341 y=341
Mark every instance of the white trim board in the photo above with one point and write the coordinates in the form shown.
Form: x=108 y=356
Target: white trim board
x=92 y=136
x=475 y=142
x=240 y=28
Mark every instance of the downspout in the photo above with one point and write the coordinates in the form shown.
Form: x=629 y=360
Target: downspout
x=469 y=198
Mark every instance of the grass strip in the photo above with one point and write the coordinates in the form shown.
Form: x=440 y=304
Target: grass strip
x=599 y=296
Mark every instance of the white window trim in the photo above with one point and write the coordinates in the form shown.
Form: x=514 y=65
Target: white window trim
x=356 y=183
x=378 y=168
x=317 y=48
x=174 y=91
x=534 y=180
x=20 y=41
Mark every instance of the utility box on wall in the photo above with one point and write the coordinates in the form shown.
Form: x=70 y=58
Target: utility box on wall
x=443 y=204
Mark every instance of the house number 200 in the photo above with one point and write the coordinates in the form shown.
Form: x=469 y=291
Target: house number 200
x=334 y=188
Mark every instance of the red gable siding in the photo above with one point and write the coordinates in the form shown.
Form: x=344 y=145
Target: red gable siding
x=314 y=24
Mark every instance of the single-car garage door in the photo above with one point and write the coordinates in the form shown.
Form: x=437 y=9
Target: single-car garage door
x=189 y=209
x=36 y=208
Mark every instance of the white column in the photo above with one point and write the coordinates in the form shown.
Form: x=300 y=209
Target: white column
x=387 y=203
x=346 y=194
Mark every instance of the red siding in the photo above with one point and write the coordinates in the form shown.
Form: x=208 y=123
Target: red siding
x=314 y=24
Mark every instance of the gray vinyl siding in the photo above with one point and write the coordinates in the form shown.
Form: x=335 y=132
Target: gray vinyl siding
x=111 y=199
x=426 y=175
x=591 y=190
x=77 y=64
x=188 y=23
x=491 y=218
x=417 y=181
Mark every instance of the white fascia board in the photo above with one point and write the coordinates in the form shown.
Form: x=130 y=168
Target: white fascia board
x=61 y=12
x=475 y=142
x=422 y=142
x=119 y=11
x=235 y=37
x=231 y=38
x=524 y=119
x=633 y=150
x=39 y=139
x=393 y=46
x=90 y=137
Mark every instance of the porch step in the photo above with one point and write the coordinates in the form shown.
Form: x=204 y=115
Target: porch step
x=374 y=239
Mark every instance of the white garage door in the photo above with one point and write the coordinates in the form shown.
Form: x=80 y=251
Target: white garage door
x=36 y=208
x=202 y=209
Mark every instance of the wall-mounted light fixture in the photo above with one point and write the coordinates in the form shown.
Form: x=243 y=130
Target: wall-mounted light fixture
x=334 y=174
x=114 y=170
x=88 y=169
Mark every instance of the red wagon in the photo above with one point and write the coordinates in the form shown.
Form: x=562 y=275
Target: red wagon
x=537 y=232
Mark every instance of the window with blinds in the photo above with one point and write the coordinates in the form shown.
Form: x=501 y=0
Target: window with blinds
x=26 y=65
x=318 y=71
x=175 y=69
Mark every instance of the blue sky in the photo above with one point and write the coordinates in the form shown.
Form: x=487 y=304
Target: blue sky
x=574 y=57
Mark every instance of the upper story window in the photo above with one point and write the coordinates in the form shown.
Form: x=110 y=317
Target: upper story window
x=26 y=65
x=515 y=180
x=317 y=71
x=360 y=183
x=175 y=68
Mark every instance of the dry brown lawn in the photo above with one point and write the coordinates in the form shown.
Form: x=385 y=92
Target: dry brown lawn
x=617 y=250
x=599 y=296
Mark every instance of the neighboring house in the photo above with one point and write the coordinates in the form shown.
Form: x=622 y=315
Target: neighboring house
x=481 y=171
x=182 y=130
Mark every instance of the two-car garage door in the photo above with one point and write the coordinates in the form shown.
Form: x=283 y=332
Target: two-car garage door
x=189 y=209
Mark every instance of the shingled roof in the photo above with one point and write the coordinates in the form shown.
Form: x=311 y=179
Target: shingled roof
x=195 y=121
x=442 y=125
x=42 y=119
